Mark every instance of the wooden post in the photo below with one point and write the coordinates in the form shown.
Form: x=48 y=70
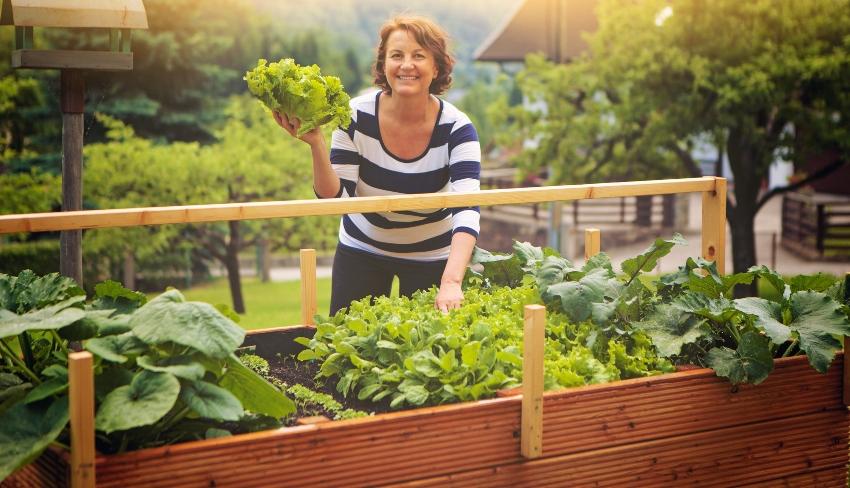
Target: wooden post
x=531 y=435
x=714 y=224
x=81 y=410
x=592 y=243
x=72 y=101
x=846 y=386
x=308 y=286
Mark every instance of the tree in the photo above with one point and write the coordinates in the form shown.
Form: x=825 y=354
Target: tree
x=252 y=160
x=760 y=79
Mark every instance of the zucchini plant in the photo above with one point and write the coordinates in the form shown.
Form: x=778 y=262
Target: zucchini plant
x=165 y=370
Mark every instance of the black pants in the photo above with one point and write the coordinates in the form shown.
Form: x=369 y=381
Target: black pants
x=357 y=274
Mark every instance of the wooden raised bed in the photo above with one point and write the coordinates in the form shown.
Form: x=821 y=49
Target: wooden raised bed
x=684 y=428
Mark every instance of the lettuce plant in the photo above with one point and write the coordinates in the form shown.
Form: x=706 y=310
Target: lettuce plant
x=405 y=351
x=300 y=91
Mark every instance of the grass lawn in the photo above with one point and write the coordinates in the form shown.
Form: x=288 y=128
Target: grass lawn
x=272 y=304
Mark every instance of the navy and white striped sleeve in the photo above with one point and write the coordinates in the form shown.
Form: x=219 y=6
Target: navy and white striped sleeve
x=345 y=160
x=465 y=174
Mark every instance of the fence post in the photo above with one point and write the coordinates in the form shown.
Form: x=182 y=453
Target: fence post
x=821 y=230
x=81 y=413
x=846 y=384
x=714 y=224
x=308 y=286
x=592 y=243
x=531 y=435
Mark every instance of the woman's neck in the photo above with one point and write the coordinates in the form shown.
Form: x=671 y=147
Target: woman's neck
x=408 y=110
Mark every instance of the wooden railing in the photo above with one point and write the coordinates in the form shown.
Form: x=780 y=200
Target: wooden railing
x=816 y=226
x=712 y=188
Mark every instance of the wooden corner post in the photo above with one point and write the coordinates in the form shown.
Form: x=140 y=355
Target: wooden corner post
x=592 y=243
x=308 y=286
x=846 y=385
x=531 y=435
x=714 y=224
x=81 y=412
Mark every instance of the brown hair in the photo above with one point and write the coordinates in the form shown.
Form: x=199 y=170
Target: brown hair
x=430 y=36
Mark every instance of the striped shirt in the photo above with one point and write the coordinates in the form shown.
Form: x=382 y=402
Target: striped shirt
x=452 y=162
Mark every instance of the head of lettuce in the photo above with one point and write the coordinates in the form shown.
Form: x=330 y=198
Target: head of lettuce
x=300 y=91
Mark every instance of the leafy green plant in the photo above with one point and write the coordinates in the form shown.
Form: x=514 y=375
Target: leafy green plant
x=300 y=91
x=405 y=351
x=690 y=316
x=165 y=370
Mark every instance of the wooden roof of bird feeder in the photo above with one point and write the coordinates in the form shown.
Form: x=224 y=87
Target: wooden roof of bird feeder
x=116 y=16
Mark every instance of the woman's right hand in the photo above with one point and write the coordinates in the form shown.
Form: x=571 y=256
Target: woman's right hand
x=292 y=125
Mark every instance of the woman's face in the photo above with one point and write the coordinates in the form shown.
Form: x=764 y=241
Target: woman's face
x=409 y=67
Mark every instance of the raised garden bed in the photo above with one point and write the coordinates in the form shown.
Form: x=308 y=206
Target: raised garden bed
x=683 y=428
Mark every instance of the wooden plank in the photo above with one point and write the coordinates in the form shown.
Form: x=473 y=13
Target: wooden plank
x=308 y=286
x=80 y=13
x=531 y=435
x=592 y=243
x=846 y=378
x=81 y=411
x=735 y=456
x=482 y=436
x=58 y=59
x=714 y=224
x=91 y=219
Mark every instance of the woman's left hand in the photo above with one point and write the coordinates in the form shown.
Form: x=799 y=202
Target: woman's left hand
x=449 y=297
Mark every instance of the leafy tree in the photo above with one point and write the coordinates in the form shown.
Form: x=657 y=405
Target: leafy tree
x=760 y=79
x=253 y=160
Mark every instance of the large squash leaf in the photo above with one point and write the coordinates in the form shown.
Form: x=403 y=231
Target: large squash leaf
x=169 y=318
x=210 y=401
x=27 y=429
x=255 y=393
x=751 y=362
x=53 y=317
x=143 y=402
x=817 y=320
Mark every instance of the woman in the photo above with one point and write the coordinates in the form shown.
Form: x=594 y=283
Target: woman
x=402 y=139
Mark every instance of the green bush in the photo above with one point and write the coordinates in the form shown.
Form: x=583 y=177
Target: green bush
x=42 y=257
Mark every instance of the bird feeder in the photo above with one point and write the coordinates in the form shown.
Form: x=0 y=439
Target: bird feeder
x=118 y=18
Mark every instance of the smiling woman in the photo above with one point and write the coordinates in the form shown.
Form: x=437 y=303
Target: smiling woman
x=402 y=139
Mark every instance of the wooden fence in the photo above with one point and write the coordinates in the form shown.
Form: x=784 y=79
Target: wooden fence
x=816 y=226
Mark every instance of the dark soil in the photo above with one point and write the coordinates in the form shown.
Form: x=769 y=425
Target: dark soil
x=291 y=371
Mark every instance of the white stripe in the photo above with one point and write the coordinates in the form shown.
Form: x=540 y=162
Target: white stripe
x=410 y=235
x=468 y=151
x=436 y=255
x=340 y=140
x=467 y=218
x=347 y=171
x=465 y=184
x=372 y=150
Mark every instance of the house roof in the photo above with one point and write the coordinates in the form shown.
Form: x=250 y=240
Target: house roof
x=553 y=27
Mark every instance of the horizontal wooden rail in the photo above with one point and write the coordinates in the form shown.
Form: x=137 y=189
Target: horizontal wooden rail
x=93 y=219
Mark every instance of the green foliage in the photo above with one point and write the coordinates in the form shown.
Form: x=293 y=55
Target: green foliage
x=42 y=257
x=744 y=77
x=307 y=399
x=164 y=370
x=300 y=92
x=404 y=350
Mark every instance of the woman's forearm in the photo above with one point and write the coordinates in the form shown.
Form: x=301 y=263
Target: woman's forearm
x=461 y=251
x=325 y=181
